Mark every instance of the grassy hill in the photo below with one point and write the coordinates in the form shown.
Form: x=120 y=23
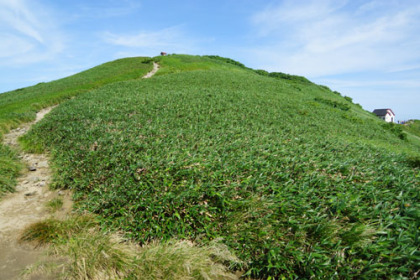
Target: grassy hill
x=22 y=104
x=413 y=126
x=296 y=180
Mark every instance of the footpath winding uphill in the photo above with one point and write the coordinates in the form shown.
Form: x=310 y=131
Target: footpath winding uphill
x=151 y=73
x=28 y=205
x=24 y=207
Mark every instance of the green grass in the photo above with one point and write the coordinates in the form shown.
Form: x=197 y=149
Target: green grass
x=9 y=170
x=55 y=204
x=21 y=105
x=413 y=126
x=84 y=252
x=295 y=185
x=412 y=129
x=182 y=63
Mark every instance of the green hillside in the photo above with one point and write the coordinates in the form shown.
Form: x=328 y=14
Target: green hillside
x=21 y=105
x=296 y=180
x=413 y=126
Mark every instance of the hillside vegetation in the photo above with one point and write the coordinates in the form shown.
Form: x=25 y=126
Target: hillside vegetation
x=413 y=126
x=21 y=105
x=298 y=181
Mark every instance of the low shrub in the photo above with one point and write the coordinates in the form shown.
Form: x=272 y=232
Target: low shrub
x=414 y=161
x=349 y=99
x=396 y=130
x=226 y=60
x=325 y=88
x=262 y=72
x=332 y=103
x=280 y=75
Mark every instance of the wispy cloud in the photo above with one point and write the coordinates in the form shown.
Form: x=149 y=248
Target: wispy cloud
x=172 y=39
x=326 y=37
x=401 y=84
x=107 y=8
x=13 y=45
x=16 y=15
x=365 y=49
x=28 y=33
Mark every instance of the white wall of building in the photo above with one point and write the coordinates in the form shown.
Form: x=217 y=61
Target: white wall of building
x=389 y=118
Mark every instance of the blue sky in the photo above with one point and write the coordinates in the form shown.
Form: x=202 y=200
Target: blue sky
x=368 y=50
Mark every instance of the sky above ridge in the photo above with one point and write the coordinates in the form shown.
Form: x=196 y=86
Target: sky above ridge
x=368 y=50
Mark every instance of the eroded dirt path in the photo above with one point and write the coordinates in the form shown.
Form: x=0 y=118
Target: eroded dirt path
x=24 y=207
x=151 y=73
x=28 y=205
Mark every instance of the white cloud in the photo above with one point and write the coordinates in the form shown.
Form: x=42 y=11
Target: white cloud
x=13 y=45
x=107 y=8
x=28 y=33
x=276 y=17
x=405 y=68
x=316 y=38
x=16 y=15
x=368 y=50
x=171 y=39
x=372 y=83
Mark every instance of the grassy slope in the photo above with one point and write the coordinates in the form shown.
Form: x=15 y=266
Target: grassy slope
x=413 y=126
x=21 y=105
x=293 y=184
x=184 y=63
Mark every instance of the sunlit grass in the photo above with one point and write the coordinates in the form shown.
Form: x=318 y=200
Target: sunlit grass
x=296 y=186
x=21 y=105
x=85 y=252
x=9 y=170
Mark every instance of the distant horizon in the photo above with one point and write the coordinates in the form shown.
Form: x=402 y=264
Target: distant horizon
x=367 y=50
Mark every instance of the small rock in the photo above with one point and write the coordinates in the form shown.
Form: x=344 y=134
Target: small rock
x=33 y=179
x=60 y=193
x=31 y=193
x=32 y=168
x=43 y=164
x=41 y=184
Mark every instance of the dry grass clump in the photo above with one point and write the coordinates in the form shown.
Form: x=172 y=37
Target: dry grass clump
x=55 y=204
x=185 y=260
x=82 y=251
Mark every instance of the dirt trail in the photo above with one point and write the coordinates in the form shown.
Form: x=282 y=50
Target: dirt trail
x=24 y=207
x=151 y=73
x=28 y=205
